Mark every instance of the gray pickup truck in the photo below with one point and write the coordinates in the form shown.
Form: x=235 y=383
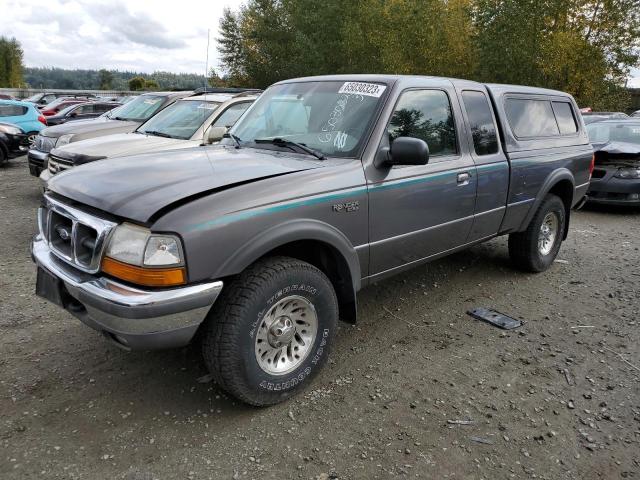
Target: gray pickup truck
x=256 y=247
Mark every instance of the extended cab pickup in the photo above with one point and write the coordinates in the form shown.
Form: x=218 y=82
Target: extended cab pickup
x=326 y=184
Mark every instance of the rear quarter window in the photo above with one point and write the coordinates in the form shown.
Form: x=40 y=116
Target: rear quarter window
x=566 y=120
x=531 y=118
x=12 y=110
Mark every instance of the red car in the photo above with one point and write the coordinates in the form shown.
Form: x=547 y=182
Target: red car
x=60 y=104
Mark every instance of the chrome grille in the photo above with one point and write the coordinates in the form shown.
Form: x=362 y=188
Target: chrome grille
x=74 y=236
x=58 y=164
x=45 y=144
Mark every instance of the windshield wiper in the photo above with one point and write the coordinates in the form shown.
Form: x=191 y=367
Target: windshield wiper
x=236 y=139
x=157 y=134
x=281 y=142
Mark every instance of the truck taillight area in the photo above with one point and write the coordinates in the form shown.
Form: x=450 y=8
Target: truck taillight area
x=592 y=166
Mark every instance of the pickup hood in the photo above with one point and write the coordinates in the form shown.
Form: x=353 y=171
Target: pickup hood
x=137 y=187
x=95 y=127
x=121 y=144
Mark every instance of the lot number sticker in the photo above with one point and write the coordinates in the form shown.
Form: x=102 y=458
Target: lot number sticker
x=361 y=88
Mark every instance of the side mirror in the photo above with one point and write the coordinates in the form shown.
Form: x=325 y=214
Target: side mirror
x=215 y=134
x=404 y=151
x=73 y=114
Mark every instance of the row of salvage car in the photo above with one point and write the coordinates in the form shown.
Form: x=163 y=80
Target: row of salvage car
x=152 y=122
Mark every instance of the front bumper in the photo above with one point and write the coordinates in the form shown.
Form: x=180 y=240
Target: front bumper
x=44 y=177
x=131 y=317
x=611 y=190
x=37 y=161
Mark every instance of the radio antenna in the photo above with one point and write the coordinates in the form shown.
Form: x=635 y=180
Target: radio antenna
x=206 y=73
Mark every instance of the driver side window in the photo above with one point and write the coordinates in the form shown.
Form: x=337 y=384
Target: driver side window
x=427 y=115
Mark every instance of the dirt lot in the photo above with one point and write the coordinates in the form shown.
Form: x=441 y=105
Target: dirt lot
x=557 y=398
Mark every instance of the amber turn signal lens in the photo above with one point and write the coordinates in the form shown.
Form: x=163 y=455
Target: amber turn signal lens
x=151 y=277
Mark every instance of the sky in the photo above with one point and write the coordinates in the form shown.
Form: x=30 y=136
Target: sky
x=143 y=35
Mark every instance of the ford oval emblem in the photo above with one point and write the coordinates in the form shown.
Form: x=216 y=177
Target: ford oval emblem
x=63 y=233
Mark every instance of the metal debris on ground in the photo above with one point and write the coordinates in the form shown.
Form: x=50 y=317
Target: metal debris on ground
x=494 y=318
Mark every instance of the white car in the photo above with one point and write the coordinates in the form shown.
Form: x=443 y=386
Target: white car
x=192 y=121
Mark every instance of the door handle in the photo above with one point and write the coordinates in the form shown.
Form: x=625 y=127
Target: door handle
x=463 y=178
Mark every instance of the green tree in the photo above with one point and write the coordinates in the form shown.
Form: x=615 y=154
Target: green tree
x=11 y=63
x=137 y=83
x=105 y=77
x=585 y=47
x=151 y=85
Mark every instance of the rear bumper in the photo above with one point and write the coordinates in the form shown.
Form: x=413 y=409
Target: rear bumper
x=37 y=162
x=131 y=317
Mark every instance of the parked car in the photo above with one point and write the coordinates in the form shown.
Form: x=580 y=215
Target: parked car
x=13 y=142
x=592 y=117
x=43 y=98
x=4 y=96
x=616 y=177
x=325 y=185
x=189 y=122
x=23 y=115
x=82 y=111
x=60 y=104
x=123 y=119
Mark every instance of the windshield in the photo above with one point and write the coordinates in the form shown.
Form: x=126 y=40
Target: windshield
x=614 y=132
x=34 y=98
x=329 y=117
x=138 y=110
x=180 y=120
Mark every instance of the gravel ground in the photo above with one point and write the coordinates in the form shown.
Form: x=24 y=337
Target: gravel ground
x=417 y=389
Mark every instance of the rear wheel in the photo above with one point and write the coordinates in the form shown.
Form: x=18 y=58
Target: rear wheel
x=535 y=249
x=269 y=333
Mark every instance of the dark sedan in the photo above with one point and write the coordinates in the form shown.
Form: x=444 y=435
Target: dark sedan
x=83 y=111
x=13 y=142
x=616 y=177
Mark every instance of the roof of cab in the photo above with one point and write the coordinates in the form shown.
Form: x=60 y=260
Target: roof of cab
x=216 y=97
x=16 y=102
x=494 y=87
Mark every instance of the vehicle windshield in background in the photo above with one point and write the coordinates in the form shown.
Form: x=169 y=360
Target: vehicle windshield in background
x=33 y=98
x=68 y=109
x=138 y=110
x=601 y=132
x=180 y=120
x=328 y=117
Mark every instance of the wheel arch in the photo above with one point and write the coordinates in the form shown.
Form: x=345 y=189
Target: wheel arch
x=312 y=241
x=560 y=183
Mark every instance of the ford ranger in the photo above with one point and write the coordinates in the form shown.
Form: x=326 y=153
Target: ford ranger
x=257 y=246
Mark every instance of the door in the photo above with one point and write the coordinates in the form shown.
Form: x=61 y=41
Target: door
x=421 y=210
x=492 y=167
x=84 y=111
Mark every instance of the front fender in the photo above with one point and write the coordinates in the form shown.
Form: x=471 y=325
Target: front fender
x=292 y=231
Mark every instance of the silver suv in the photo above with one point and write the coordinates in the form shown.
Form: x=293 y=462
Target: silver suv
x=190 y=122
x=126 y=118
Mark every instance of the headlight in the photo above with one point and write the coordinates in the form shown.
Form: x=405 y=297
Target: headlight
x=10 y=130
x=139 y=256
x=64 y=139
x=628 y=172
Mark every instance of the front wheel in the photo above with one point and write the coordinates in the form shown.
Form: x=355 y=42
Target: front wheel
x=31 y=139
x=269 y=333
x=535 y=249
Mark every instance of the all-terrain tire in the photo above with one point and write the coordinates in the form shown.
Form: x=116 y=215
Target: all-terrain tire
x=524 y=247
x=235 y=329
